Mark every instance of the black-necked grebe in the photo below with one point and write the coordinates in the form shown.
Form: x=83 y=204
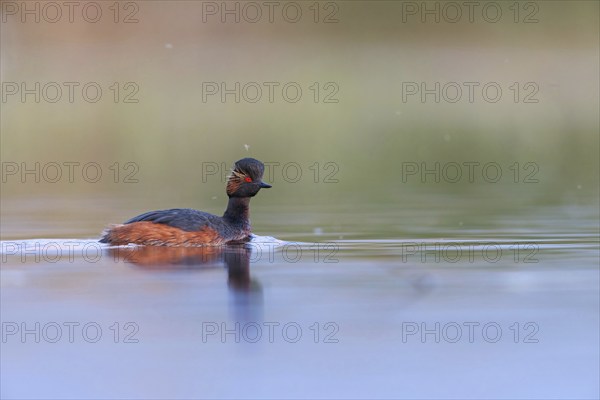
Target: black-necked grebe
x=190 y=228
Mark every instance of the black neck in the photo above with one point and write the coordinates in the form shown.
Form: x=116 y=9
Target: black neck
x=238 y=210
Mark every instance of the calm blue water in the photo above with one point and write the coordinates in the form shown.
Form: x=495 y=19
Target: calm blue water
x=505 y=312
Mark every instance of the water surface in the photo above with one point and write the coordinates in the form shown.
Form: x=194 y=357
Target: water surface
x=507 y=309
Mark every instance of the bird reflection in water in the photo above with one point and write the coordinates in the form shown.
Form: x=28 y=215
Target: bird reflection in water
x=246 y=292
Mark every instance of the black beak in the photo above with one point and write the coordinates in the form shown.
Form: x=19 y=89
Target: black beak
x=264 y=185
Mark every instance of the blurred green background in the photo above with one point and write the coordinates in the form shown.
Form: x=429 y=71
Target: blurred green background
x=367 y=55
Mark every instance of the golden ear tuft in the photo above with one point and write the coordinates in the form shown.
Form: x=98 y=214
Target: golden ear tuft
x=236 y=174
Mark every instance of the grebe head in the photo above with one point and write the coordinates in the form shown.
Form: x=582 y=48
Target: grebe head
x=245 y=179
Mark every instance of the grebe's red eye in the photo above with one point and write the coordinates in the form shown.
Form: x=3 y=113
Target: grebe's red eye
x=248 y=179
